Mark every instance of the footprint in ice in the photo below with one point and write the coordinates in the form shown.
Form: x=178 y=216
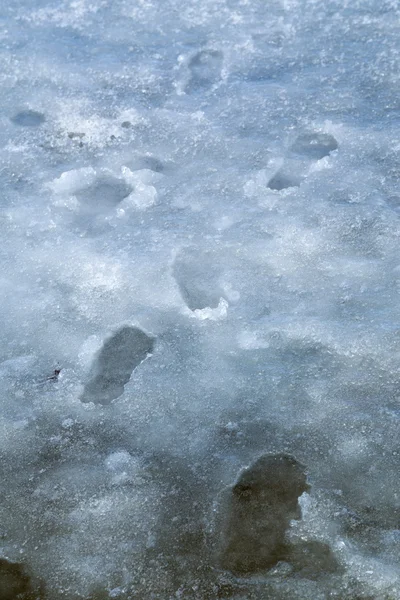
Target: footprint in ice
x=205 y=70
x=15 y=583
x=103 y=194
x=312 y=559
x=314 y=146
x=28 y=118
x=307 y=149
x=197 y=277
x=257 y=511
x=147 y=162
x=114 y=364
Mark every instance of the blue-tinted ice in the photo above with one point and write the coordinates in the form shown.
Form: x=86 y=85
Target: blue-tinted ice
x=200 y=230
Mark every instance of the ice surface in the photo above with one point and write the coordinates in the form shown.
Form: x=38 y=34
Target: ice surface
x=214 y=184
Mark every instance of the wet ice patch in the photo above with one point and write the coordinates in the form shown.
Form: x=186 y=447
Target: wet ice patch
x=112 y=369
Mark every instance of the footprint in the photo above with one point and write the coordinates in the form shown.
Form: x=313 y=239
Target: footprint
x=103 y=194
x=314 y=146
x=28 y=118
x=307 y=149
x=205 y=70
x=282 y=180
x=148 y=162
x=257 y=512
x=115 y=362
x=312 y=559
x=197 y=277
x=15 y=583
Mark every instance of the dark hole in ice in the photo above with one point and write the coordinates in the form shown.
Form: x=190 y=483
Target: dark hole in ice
x=15 y=584
x=28 y=118
x=314 y=145
x=205 y=68
x=281 y=181
x=258 y=512
x=113 y=367
x=104 y=193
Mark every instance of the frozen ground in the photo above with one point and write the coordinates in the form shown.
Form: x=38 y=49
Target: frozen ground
x=200 y=228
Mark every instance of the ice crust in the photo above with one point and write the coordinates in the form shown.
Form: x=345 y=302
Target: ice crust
x=200 y=228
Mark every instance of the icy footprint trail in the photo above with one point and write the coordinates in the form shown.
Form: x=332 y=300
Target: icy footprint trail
x=200 y=227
